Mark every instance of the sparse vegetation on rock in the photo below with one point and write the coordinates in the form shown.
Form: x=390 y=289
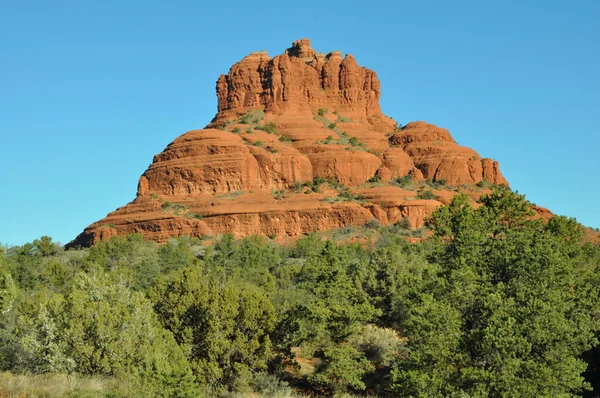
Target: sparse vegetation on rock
x=335 y=135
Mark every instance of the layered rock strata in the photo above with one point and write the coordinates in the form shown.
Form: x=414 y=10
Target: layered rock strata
x=284 y=126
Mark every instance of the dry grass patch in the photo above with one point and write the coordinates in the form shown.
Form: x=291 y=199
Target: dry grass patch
x=50 y=385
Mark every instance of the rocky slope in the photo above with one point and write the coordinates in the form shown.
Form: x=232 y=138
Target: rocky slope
x=299 y=144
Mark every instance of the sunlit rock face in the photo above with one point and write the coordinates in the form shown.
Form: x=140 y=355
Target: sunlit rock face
x=283 y=122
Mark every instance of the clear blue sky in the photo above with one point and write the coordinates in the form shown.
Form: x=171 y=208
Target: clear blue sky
x=90 y=91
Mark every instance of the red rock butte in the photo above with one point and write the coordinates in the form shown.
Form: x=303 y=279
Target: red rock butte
x=299 y=144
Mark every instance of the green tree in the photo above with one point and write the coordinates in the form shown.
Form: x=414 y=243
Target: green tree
x=105 y=328
x=222 y=326
x=127 y=257
x=434 y=351
x=45 y=247
x=177 y=254
x=24 y=265
x=333 y=308
x=8 y=291
x=509 y=311
x=41 y=338
x=343 y=366
x=338 y=305
x=11 y=354
x=250 y=259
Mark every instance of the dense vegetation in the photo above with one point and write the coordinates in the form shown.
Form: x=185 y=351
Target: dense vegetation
x=496 y=304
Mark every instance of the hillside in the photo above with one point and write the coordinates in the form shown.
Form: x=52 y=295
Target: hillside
x=299 y=144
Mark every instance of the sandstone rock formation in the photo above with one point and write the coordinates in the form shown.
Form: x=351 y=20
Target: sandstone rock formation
x=285 y=124
x=438 y=157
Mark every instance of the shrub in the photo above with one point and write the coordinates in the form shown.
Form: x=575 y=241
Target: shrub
x=484 y=184
x=318 y=180
x=322 y=111
x=342 y=367
x=280 y=194
x=230 y=195
x=112 y=330
x=330 y=199
x=173 y=207
x=8 y=292
x=426 y=194
x=252 y=116
x=258 y=143
x=375 y=178
x=404 y=181
x=333 y=181
x=380 y=345
x=354 y=141
x=194 y=216
x=322 y=119
x=285 y=139
x=436 y=184
x=404 y=223
x=269 y=385
x=346 y=194
x=315 y=184
x=298 y=187
x=236 y=130
x=373 y=224
x=419 y=233
x=267 y=128
x=331 y=126
x=344 y=139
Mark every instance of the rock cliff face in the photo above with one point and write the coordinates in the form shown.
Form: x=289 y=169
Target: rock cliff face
x=299 y=144
x=300 y=81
